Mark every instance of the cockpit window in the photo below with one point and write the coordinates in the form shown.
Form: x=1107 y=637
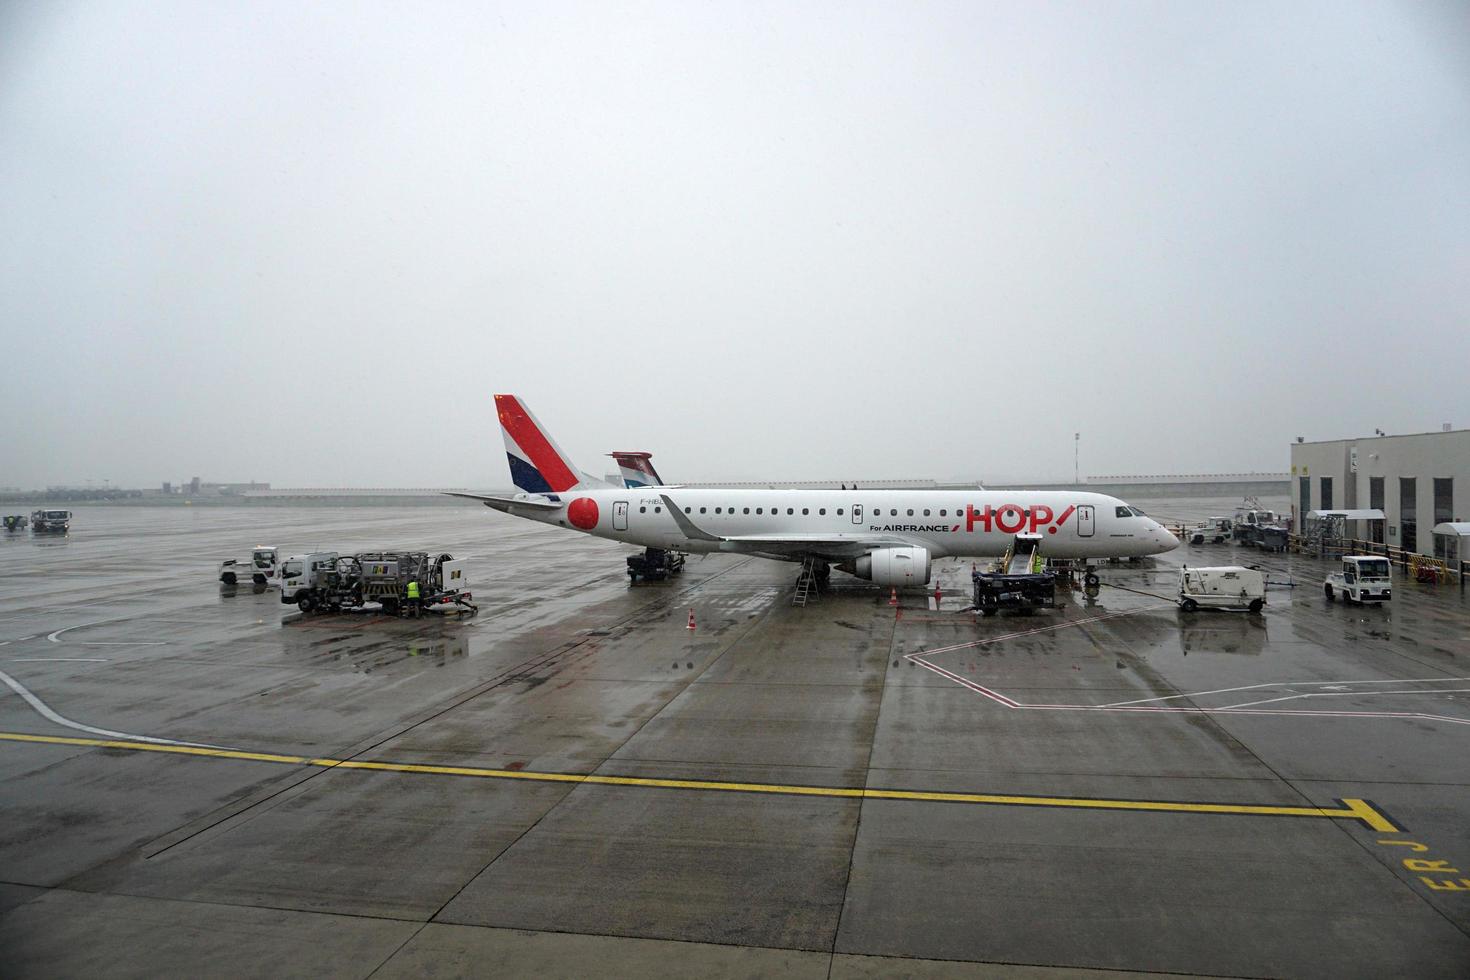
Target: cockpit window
x=1124 y=512
x=1137 y=512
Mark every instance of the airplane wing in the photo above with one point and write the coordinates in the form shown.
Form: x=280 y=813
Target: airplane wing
x=501 y=503
x=841 y=544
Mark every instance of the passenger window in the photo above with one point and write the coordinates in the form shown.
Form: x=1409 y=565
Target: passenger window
x=892 y=513
x=658 y=510
x=747 y=510
x=642 y=510
x=839 y=512
x=943 y=512
x=760 y=510
x=926 y=511
x=790 y=510
x=717 y=510
x=822 y=511
x=805 y=511
x=687 y=510
x=911 y=512
x=701 y=510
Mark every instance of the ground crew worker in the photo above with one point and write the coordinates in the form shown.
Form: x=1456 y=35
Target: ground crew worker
x=1036 y=564
x=413 y=596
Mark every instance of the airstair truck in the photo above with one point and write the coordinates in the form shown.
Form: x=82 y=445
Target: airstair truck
x=1018 y=581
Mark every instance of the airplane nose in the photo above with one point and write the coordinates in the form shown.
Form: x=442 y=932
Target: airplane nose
x=1166 y=539
x=1169 y=541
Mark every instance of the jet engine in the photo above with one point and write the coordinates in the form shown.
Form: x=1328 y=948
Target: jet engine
x=891 y=567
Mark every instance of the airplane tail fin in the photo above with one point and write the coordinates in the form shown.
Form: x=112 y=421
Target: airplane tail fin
x=537 y=463
x=637 y=470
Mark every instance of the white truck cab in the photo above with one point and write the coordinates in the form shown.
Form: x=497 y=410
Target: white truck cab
x=1223 y=587
x=1362 y=578
x=304 y=576
x=262 y=567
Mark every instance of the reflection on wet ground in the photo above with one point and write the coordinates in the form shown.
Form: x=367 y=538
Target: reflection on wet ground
x=1217 y=793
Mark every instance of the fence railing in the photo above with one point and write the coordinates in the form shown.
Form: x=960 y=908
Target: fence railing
x=1422 y=568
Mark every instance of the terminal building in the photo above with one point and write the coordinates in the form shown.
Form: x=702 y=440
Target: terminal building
x=1417 y=481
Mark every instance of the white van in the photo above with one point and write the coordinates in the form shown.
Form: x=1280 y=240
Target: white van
x=1225 y=587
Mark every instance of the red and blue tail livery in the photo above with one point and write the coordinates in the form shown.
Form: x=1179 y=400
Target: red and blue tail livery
x=637 y=469
x=537 y=463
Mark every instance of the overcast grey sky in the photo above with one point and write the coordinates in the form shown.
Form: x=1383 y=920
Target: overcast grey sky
x=305 y=243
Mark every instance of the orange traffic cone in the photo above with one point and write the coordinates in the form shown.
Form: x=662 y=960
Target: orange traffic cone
x=893 y=597
x=691 y=620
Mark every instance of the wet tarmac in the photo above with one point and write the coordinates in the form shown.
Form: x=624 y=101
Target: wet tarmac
x=197 y=780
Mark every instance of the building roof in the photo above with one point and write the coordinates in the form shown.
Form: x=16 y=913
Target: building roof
x=1461 y=528
x=1347 y=515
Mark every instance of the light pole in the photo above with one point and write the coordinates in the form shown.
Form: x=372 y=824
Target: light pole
x=1076 y=448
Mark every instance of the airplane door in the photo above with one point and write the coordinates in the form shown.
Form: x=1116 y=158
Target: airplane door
x=857 y=513
x=1086 y=523
x=620 y=515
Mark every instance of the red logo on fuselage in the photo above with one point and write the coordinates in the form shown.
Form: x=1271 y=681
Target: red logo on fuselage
x=582 y=512
x=1013 y=518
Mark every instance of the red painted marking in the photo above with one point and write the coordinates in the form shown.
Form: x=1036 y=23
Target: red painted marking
x=1004 y=524
x=517 y=421
x=582 y=512
x=1041 y=516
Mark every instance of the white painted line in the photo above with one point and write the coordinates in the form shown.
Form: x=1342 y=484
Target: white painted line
x=58 y=660
x=1145 y=706
x=1344 y=694
x=1257 y=687
x=49 y=715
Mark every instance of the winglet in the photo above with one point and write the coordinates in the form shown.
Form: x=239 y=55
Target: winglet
x=691 y=530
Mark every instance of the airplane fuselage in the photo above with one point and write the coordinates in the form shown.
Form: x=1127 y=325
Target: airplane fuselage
x=948 y=523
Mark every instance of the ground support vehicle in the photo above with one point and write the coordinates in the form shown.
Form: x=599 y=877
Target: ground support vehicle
x=261 y=568
x=655 y=564
x=51 y=521
x=1224 y=587
x=1018 y=581
x=16 y=522
x=1362 y=578
x=1215 y=530
x=1260 y=527
x=400 y=582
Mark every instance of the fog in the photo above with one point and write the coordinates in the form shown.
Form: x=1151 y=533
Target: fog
x=305 y=243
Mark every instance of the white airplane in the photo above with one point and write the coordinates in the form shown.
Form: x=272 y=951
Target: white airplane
x=889 y=537
x=637 y=469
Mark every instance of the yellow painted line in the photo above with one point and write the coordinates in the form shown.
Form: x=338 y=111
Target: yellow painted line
x=1351 y=809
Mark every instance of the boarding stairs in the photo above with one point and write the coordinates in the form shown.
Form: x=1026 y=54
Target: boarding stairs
x=1022 y=556
x=806 y=583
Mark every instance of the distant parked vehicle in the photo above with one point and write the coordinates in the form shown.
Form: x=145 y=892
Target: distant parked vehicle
x=51 y=521
x=1225 y=587
x=1362 y=578
x=262 y=567
x=1261 y=527
x=16 y=522
x=1215 y=530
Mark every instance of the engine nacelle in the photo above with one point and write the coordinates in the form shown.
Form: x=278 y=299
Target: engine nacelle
x=892 y=567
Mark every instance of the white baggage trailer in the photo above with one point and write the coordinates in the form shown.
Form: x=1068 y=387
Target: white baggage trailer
x=1222 y=587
